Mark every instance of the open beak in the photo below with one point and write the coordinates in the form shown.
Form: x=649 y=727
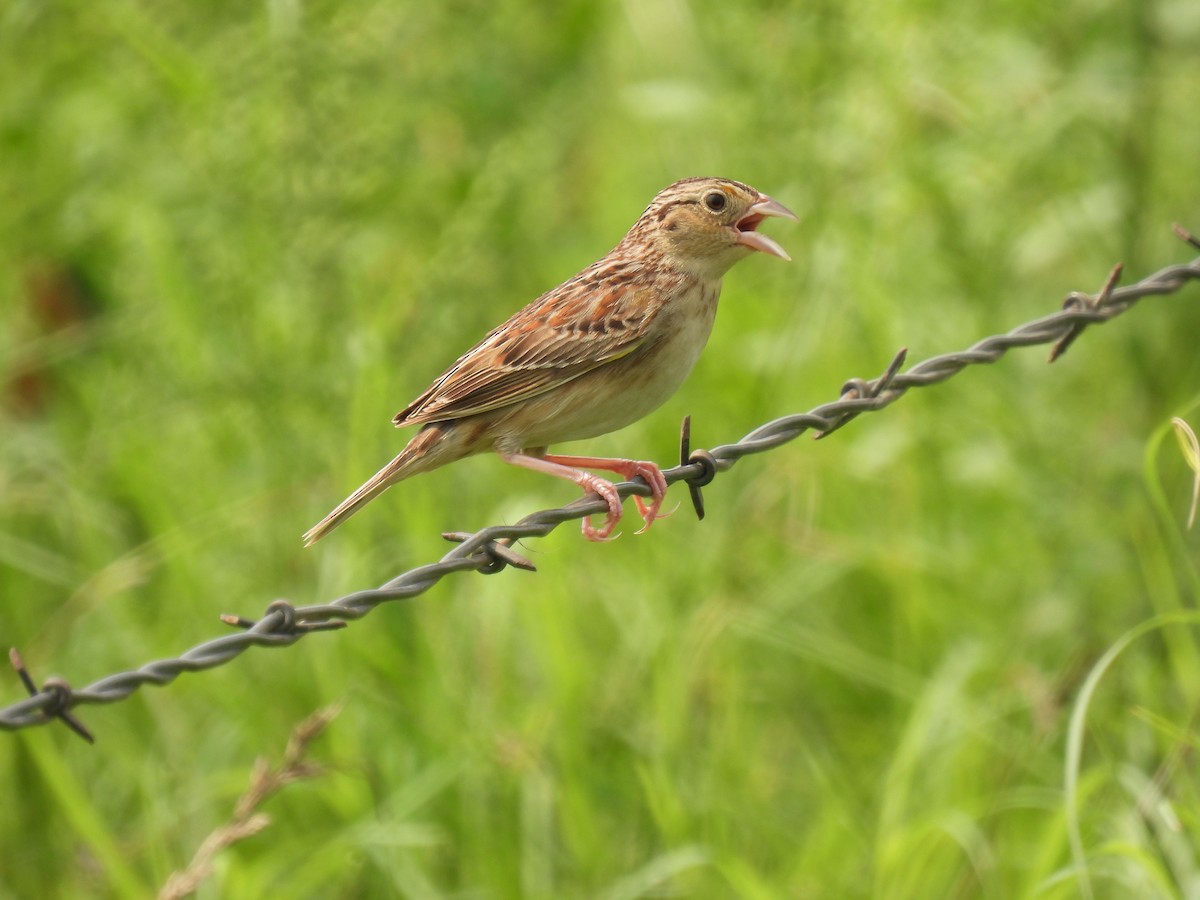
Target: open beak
x=746 y=225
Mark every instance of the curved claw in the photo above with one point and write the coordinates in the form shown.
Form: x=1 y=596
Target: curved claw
x=608 y=492
x=644 y=508
x=654 y=477
x=601 y=535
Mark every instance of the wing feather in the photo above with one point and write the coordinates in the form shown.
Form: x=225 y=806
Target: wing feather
x=595 y=318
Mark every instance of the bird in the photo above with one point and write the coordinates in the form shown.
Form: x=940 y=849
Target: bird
x=600 y=351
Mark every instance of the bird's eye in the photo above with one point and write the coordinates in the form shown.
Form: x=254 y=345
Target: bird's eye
x=715 y=201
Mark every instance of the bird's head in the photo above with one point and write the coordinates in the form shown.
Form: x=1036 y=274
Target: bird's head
x=705 y=225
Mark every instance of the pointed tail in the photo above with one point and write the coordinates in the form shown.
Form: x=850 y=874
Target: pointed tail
x=426 y=451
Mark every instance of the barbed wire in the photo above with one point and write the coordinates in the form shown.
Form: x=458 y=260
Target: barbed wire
x=489 y=551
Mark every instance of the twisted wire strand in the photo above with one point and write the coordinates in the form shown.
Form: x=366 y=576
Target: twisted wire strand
x=487 y=550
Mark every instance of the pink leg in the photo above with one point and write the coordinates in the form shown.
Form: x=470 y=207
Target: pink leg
x=589 y=482
x=630 y=468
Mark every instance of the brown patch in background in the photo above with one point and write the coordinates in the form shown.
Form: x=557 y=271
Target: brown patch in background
x=59 y=303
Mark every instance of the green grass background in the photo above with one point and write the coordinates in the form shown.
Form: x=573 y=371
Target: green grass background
x=855 y=678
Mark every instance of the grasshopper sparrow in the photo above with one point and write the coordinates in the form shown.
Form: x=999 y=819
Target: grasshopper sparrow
x=592 y=355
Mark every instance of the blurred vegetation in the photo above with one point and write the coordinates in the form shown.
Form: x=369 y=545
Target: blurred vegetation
x=236 y=238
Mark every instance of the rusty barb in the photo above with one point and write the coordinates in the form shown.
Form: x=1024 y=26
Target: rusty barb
x=489 y=550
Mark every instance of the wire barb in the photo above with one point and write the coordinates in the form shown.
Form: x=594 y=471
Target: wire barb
x=282 y=617
x=701 y=458
x=857 y=389
x=1077 y=301
x=496 y=556
x=1186 y=236
x=489 y=550
x=58 y=692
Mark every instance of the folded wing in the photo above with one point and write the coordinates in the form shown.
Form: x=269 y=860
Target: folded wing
x=562 y=335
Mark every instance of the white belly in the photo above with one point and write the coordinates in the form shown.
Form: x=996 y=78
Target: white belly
x=627 y=389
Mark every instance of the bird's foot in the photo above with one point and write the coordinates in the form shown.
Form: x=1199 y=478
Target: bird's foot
x=629 y=469
x=608 y=493
x=653 y=476
x=570 y=467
